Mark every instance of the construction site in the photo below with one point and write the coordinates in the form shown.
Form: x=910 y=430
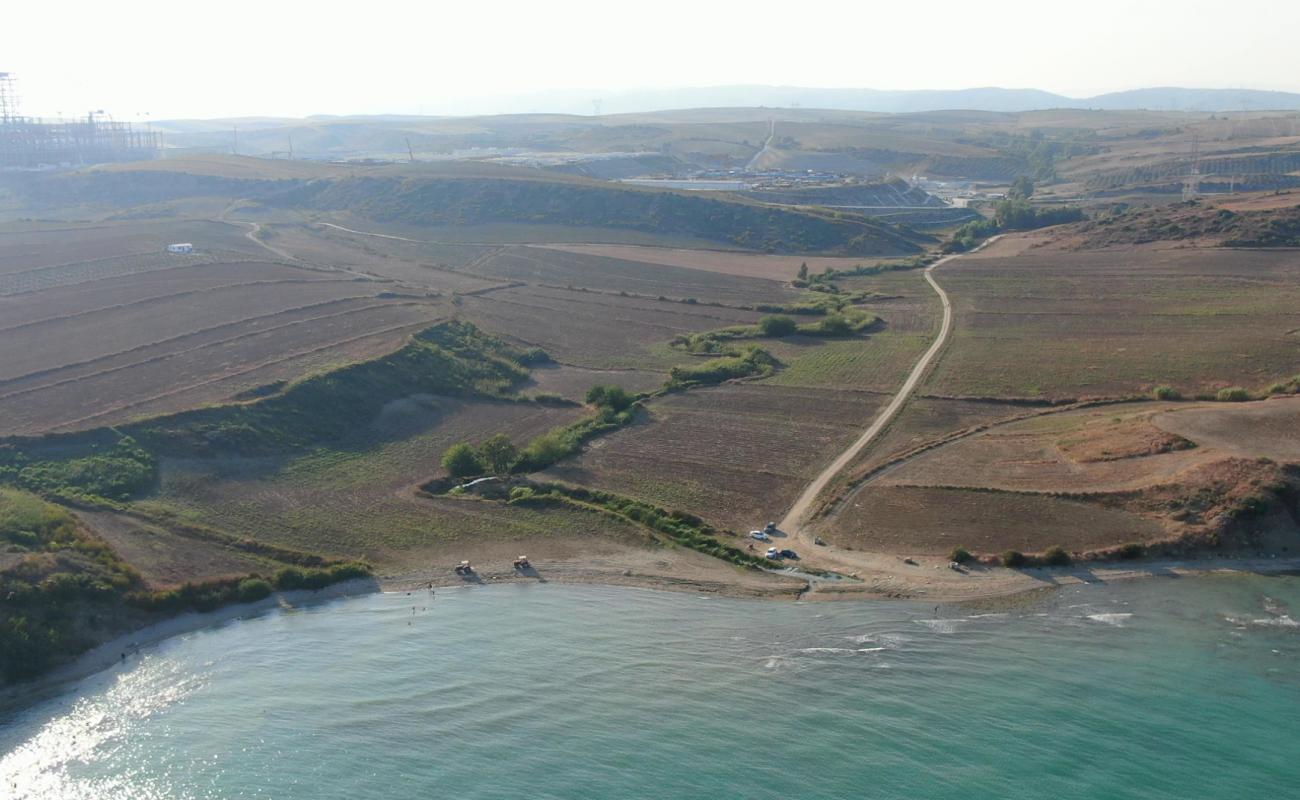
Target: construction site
x=30 y=143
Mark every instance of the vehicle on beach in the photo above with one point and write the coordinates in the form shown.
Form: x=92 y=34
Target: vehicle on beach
x=790 y=554
x=760 y=535
x=773 y=554
x=522 y=563
x=464 y=568
x=769 y=527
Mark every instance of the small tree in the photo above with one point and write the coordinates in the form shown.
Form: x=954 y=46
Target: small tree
x=777 y=326
x=803 y=271
x=461 y=461
x=1013 y=559
x=614 y=398
x=499 y=454
x=961 y=555
x=1022 y=189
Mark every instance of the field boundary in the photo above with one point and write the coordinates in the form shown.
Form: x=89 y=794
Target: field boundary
x=797 y=515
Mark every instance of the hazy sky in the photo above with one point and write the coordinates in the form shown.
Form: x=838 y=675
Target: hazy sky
x=286 y=57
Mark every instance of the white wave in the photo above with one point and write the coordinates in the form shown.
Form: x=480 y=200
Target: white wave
x=1117 y=619
x=840 y=650
x=940 y=625
x=1282 y=621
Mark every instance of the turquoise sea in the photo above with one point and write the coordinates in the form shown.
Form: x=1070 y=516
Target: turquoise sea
x=1161 y=688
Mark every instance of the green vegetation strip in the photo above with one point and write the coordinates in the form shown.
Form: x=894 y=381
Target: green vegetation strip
x=682 y=528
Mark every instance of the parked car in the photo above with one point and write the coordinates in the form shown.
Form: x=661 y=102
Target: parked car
x=770 y=527
x=790 y=554
x=773 y=553
x=759 y=535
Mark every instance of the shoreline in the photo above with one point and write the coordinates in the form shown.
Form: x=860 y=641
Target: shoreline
x=980 y=584
x=104 y=655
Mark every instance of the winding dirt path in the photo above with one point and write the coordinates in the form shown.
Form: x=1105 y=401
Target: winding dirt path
x=797 y=515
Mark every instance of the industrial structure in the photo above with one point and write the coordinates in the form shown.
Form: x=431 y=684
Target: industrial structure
x=30 y=143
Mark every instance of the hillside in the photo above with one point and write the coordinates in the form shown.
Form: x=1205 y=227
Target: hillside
x=472 y=194
x=1195 y=221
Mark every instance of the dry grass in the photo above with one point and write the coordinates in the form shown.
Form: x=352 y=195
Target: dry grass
x=1265 y=430
x=1054 y=324
x=359 y=500
x=925 y=520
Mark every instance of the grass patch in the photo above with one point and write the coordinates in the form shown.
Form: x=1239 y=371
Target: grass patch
x=751 y=362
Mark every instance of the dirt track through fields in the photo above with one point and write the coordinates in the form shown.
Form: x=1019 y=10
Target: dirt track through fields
x=798 y=513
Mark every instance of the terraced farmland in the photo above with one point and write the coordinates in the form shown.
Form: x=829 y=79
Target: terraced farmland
x=182 y=331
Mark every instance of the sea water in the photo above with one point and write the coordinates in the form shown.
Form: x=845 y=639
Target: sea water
x=1161 y=688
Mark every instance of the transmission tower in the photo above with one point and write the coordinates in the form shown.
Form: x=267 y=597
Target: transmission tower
x=1192 y=183
x=8 y=99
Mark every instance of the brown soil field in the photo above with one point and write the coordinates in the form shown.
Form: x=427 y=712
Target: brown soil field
x=1053 y=324
x=90 y=338
x=737 y=455
x=556 y=268
x=1017 y=481
x=750 y=265
x=573 y=382
x=213 y=369
x=28 y=246
x=595 y=330
x=1270 y=429
x=125 y=293
x=926 y=420
x=1041 y=454
x=924 y=520
x=411 y=263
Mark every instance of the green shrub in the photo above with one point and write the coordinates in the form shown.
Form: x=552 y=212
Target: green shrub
x=290 y=578
x=462 y=461
x=1291 y=386
x=615 y=398
x=1056 y=556
x=777 y=326
x=961 y=555
x=531 y=356
x=1013 y=559
x=1166 y=393
x=835 y=325
x=252 y=589
x=1131 y=551
x=1232 y=394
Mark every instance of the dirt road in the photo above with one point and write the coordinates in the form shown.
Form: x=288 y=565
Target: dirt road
x=797 y=515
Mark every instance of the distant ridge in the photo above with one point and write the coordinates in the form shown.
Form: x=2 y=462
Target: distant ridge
x=975 y=99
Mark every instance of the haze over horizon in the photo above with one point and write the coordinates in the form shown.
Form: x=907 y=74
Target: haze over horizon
x=168 y=63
